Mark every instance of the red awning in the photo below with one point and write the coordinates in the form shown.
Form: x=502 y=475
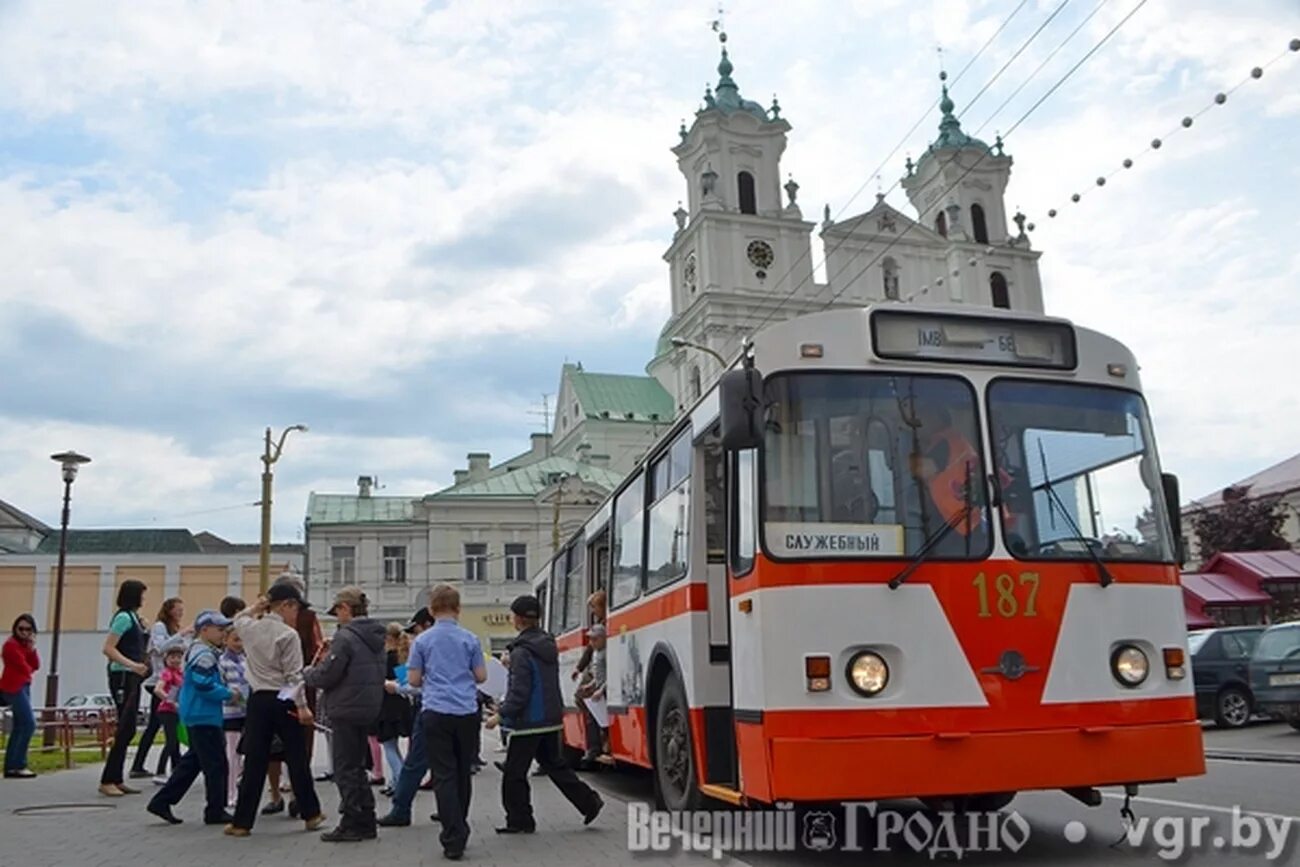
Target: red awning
x=1216 y=589
x=1257 y=566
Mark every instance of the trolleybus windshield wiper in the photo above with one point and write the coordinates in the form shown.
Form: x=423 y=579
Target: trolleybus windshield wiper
x=1103 y=574
x=939 y=535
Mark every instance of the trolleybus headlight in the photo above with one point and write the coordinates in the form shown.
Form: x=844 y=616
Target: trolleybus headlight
x=868 y=673
x=1129 y=664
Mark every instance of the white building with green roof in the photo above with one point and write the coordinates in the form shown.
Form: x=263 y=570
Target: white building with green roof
x=485 y=534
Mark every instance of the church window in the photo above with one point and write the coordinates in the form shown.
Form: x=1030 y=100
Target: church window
x=748 y=200
x=941 y=224
x=978 y=226
x=1001 y=296
x=889 y=276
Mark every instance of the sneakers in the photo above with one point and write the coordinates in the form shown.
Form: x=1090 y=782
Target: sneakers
x=590 y=815
x=127 y=790
x=324 y=777
x=511 y=829
x=235 y=831
x=392 y=820
x=315 y=821
x=20 y=774
x=140 y=774
x=159 y=780
x=223 y=819
x=274 y=807
x=164 y=812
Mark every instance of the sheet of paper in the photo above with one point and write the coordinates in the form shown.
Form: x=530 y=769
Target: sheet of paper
x=599 y=711
x=288 y=693
x=497 y=679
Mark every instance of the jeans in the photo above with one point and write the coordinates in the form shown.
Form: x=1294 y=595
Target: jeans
x=393 y=759
x=451 y=741
x=516 y=796
x=20 y=704
x=267 y=717
x=207 y=753
x=356 y=798
x=151 y=729
x=414 y=768
x=125 y=688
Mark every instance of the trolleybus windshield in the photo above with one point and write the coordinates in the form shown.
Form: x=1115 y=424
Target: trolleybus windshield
x=1077 y=471
x=862 y=465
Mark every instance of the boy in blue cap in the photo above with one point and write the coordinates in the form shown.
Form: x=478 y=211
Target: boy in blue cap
x=203 y=693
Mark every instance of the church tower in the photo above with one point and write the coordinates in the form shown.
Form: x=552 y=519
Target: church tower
x=739 y=249
x=958 y=188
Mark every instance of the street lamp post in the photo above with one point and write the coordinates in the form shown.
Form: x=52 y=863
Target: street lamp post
x=70 y=461
x=682 y=342
x=270 y=456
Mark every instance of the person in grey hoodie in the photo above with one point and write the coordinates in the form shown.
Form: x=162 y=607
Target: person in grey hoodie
x=351 y=668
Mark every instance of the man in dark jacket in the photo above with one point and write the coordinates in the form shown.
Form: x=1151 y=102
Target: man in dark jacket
x=352 y=670
x=533 y=712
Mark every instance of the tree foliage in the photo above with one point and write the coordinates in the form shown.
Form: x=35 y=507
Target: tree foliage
x=1242 y=523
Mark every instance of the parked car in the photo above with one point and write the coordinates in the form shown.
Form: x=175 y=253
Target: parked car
x=1275 y=673
x=89 y=708
x=1221 y=673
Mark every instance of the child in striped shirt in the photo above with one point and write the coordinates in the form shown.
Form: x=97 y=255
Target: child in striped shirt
x=234 y=710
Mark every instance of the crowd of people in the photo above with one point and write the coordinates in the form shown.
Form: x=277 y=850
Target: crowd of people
x=245 y=688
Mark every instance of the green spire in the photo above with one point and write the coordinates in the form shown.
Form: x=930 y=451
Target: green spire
x=951 y=134
x=726 y=95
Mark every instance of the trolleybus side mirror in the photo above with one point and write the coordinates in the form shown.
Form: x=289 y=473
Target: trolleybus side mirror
x=740 y=408
x=1169 y=483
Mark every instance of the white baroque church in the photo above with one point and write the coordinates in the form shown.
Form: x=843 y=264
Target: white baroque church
x=743 y=254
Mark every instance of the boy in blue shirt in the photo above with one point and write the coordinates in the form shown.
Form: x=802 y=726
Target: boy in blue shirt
x=447 y=664
x=203 y=693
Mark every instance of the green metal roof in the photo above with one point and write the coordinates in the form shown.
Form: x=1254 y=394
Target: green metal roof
x=620 y=397
x=123 y=542
x=728 y=99
x=352 y=509
x=530 y=480
x=951 y=135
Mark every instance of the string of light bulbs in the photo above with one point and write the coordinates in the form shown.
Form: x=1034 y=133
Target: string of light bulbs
x=1185 y=124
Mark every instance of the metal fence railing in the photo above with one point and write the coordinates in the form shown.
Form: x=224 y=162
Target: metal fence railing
x=66 y=730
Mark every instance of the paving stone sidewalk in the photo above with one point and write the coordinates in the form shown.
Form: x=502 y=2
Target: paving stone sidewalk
x=85 y=829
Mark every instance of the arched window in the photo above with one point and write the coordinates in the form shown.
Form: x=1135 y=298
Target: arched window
x=1001 y=297
x=941 y=224
x=748 y=201
x=889 y=276
x=978 y=225
x=696 y=387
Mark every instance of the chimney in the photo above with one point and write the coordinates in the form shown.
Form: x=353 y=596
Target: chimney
x=479 y=462
x=541 y=443
x=460 y=477
x=364 y=484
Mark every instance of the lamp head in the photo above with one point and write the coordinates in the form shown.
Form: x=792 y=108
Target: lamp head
x=70 y=461
x=679 y=342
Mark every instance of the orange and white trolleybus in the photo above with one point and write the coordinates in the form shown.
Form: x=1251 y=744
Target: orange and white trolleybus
x=899 y=551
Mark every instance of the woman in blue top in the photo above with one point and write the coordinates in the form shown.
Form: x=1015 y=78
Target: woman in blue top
x=125 y=647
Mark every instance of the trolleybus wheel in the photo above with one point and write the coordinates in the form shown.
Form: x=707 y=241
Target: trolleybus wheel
x=674 y=757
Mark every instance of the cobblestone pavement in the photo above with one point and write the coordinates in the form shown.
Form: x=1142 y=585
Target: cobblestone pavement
x=85 y=829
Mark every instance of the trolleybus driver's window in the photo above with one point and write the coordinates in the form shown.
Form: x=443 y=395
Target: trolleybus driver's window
x=628 y=524
x=1077 y=471
x=872 y=465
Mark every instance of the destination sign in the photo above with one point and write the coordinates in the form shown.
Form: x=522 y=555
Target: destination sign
x=834 y=540
x=978 y=340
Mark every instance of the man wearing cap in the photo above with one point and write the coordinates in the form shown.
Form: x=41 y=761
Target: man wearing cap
x=447 y=664
x=416 y=763
x=203 y=694
x=353 y=674
x=276 y=705
x=533 y=711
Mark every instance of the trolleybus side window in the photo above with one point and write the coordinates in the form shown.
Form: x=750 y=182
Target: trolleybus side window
x=873 y=465
x=629 y=532
x=743 y=513
x=714 y=499
x=575 y=588
x=669 y=537
x=556 y=582
x=543 y=598
x=1077 y=471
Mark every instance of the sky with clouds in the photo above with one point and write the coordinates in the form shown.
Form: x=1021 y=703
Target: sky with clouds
x=394 y=220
